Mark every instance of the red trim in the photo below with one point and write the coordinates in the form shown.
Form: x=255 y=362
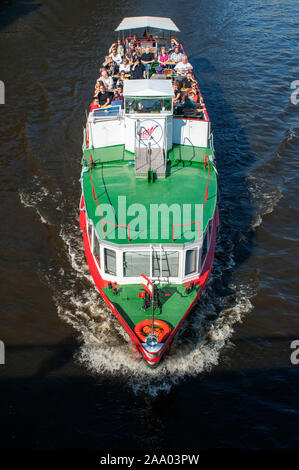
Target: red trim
x=100 y=283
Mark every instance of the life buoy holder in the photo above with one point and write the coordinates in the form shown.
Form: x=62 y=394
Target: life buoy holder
x=161 y=327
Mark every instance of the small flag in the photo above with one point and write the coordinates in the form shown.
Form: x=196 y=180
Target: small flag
x=147 y=284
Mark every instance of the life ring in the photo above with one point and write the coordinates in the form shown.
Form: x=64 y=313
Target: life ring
x=161 y=329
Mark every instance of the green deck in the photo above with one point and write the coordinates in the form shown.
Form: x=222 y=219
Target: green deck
x=186 y=183
x=173 y=307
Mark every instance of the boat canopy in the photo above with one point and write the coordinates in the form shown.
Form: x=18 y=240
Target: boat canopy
x=135 y=22
x=148 y=88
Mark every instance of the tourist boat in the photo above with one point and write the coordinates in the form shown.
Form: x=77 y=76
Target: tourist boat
x=148 y=210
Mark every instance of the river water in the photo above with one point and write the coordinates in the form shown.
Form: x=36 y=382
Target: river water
x=70 y=379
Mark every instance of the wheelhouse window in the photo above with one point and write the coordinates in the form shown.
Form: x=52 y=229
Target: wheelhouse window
x=191 y=261
x=110 y=261
x=165 y=264
x=136 y=263
x=152 y=105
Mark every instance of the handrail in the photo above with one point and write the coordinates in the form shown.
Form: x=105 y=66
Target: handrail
x=204 y=201
x=96 y=198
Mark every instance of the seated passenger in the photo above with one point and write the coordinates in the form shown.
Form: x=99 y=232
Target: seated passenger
x=163 y=57
x=173 y=44
x=132 y=55
x=183 y=67
x=104 y=96
x=147 y=59
x=113 y=46
x=117 y=59
x=125 y=66
x=94 y=104
x=198 y=96
x=177 y=93
x=119 y=90
x=135 y=40
x=120 y=48
x=176 y=56
x=138 y=70
x=122 y=78
x=190 y=106
x=104 y=77
x=109 y=65
x=188 y=80
x=117 y=101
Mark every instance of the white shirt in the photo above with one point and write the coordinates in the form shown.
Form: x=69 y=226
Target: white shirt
x=116 y=58
x=107 y=81
x=183 y=68
x=126 y=68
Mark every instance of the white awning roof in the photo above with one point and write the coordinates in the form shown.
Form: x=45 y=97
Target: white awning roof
x=134 y=22
x=148 y=88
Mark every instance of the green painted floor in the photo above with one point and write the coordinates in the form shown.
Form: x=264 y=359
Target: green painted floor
x=185 y=185
x=172 y=309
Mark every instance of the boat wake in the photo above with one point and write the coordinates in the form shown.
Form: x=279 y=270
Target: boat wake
x=106 y=347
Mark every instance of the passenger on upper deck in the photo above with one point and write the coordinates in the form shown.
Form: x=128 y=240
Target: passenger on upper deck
x=190 y=106
x=173 y=44
x=138 y=70
x=108 y=64
x=176 y=56
x=120 y=48
x=104 y=77
x=120 y=91
x=117 y=101
x=122 y=77
x=163 y=57
x=134 y=39
x=125 y=66
x=177 y=93
x=94 y=104
x=147 y=59
x=115 y=56
x=104 y=96
x=188 y=80
x=183 y=67
x=132 y=55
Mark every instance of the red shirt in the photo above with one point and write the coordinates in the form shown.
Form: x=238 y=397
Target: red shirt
x=93 y=106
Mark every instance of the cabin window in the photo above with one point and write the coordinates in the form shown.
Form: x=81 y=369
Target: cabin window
x=148 y=105
x=90 y=231
x=191 y=261
x=96 y=248
x=165 y=264
x=136 y=263
x=110 y=261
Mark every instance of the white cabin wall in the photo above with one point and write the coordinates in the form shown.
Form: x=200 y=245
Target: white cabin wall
x=106 y=133
x=129 y=134
x=191 y=132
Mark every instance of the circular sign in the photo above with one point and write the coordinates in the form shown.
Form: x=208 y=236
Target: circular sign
x=149 y=130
